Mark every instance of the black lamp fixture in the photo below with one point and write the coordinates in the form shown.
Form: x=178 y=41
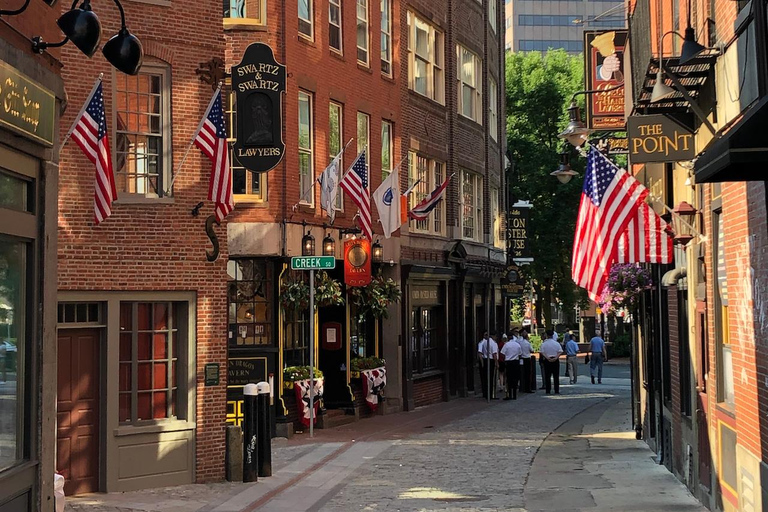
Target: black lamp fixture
x=124 y=50
x=307 y=243
x=329 y=246
x=576 y=132
x=377 y=252
x=691 y=48
x=564 y=173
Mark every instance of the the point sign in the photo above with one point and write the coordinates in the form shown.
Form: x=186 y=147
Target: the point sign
x=313 y=263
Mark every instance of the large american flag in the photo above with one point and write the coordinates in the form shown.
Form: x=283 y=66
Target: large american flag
x=422 y=210
x=90 y=133
x=646 y=239
x=609 y=200
x=211 y=138
x=355 y=184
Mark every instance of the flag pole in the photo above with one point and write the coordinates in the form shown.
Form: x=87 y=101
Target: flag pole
x=189 y=147
x=317 y=180
x=82 y=109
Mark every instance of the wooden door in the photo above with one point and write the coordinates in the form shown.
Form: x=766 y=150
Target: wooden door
x=78 y=409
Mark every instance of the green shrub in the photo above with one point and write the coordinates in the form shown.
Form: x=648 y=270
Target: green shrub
x=622 y=345
x=535 y=342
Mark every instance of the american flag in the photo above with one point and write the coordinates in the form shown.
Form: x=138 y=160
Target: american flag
x=90 y=133
x=609 y=200
x=646 y=239
x=355 y=184
x=422 y=210
x=211 y=138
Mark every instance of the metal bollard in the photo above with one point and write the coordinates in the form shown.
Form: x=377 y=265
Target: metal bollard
x=250 y=433
x=265 y=439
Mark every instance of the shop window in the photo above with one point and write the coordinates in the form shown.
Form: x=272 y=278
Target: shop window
x=250 y=302
x=425 y=340
x=426 y=59
x=362 y=336
x=247 y=186
x=296 y=338
x=142 y=146
x=151 y=341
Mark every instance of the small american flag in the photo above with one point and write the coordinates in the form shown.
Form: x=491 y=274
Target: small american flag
x=609 y=200
x=646 y=239
x=211 y=138
x=90 y=133
x=422 y=210
x=355 y=184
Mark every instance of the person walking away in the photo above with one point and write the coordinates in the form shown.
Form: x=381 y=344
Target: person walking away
x=596 y=358
x=571 y=358
x=511 y=352
x=550 y=353
x=487 y=353
x=527 y=364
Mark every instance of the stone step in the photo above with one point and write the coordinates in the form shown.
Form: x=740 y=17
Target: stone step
x=334 y=418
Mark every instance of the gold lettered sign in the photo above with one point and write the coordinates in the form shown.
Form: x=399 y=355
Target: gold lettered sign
x=658 y=138
x=519 y=249
x=26 y=107
x=604 y=73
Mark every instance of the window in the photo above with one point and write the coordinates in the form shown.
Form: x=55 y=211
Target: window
x=335 y=143
x=425 y=339
x=149 y=377
x=247 y=186
x=334 y=25
x=234 y=9
x=428 y=174
x=305 y=18
x=363 y=132
x=470 y=91
x=142 y=146
x=362 y=31
x=493 y=109
x=425 y=59
x=497 y=219
x=542 y=45
x=250 y=300
x=296 y=329
x=471 y=206
x=306 y=146
x=237 y=11
x=362 y=337
x=387 y=149
x=725 y=384
x=386 y=37
x=493 y=14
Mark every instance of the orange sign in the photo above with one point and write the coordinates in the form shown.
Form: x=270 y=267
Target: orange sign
x=357 y=262
x=604 y=60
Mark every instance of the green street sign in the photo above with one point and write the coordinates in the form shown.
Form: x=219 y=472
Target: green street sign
x=313 y=262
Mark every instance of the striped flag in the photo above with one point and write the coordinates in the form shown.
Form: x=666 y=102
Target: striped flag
x=355 y=184
x=422 y=210
x=646 y=239
x=211 y=138
x=609 y=200
x=90 y=133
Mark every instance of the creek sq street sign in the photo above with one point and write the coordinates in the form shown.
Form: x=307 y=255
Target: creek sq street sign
x=313 y=263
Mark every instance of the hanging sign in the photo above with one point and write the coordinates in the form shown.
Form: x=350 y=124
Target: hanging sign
x=603 y=62
x=26 y=106
x=518 y=246
x=513 y=283
x=658 y=138
x=357 y=262
x=612 y=145
x=259 y=83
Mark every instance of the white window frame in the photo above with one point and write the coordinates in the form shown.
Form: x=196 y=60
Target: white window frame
x=434 y=60
x=245 y=19
x=435 y=175
x=309 y=21
x=474 y=84
x=336 y=4
x=476 y=207
x=493 y=109
x=230 y=114
x=493 y=15
x=365 y=21
x=307 y=151
x=388 y=144
x=332 y=152
x=386 y=37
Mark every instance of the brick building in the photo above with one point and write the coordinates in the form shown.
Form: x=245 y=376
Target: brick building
x=33 y=98
x=701 y=402
x=139 y=306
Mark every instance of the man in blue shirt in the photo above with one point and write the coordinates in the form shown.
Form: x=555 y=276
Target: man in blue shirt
x=596 y=358
x=571 y=351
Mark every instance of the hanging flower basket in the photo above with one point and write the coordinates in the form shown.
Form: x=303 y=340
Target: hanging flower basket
x=375 y=298
x=327 y=291
x=294 y=295
x=626 y=284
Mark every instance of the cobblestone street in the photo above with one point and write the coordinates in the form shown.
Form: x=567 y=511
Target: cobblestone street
x=561 y=452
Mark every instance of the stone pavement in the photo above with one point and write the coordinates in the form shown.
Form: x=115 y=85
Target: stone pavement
x=559 y=452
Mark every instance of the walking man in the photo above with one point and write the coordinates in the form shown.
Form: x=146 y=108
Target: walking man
x=550 y=353
x=527 y=365
x=511 y=352
x=487 y=352
x=596 y=357
x=571 y=353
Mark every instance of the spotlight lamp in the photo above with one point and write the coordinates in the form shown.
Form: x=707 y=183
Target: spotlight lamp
x=576 y=133
x=377 y=252
x=691 y=48
x=124 y=50
x=329 y=246
x=661 y=91
x=564 y=173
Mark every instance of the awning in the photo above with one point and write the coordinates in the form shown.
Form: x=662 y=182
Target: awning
x=741 y=153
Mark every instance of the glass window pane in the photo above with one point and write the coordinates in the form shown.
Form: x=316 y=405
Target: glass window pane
x=13 y=192
x=304 y=8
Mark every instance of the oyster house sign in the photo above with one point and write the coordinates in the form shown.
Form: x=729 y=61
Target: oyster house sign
x=259 y=83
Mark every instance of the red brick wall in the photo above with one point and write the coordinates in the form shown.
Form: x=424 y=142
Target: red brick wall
x=154 y=246
x=428 y=391
x=674 y=374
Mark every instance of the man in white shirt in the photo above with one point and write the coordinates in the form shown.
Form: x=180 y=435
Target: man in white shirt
x=550 y=353
x=512 y=352
x=527 y=381
x=488 y=351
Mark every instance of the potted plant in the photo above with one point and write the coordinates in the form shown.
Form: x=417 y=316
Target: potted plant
x=291 y=374
x=327 y=291
x=365 y=363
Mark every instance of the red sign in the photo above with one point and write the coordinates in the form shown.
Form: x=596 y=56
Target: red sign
x=357 y=262
x=603 y=63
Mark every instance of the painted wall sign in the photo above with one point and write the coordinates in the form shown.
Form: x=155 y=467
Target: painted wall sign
x=603 y=61
x=259 y=83
x=25 y=105
x=425 y=295
x=244 y=370
x=658 y=138
x=357 y=262
x=518 y=216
